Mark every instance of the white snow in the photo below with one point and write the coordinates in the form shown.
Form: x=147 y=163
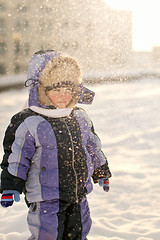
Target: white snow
x=127 y=119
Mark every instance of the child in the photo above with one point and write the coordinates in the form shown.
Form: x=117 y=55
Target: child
x=52 y=151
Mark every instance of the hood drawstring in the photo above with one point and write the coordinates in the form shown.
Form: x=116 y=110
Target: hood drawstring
x=33 y=83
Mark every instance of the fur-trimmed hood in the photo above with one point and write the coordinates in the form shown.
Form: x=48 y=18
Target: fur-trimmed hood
x=48 y=68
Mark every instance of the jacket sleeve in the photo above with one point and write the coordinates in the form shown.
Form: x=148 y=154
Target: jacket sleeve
x=101 y=168
x=19 y=148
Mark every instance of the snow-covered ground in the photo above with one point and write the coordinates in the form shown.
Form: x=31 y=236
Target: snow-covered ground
x=127 y=119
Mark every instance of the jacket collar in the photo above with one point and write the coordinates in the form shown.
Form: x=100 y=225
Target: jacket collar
x=54 y=113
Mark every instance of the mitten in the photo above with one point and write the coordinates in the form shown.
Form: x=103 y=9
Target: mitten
x=105 y=183
x=7 y=198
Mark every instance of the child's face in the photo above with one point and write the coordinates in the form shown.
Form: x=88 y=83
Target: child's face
x=60 y=97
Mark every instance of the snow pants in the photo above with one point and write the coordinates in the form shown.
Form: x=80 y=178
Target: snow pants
x=59 y=220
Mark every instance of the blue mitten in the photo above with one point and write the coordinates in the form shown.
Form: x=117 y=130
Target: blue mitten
x=105 y=183
x=7 y=198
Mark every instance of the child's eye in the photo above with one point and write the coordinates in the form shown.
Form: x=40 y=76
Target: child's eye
x=57 y=90
x=68 y=91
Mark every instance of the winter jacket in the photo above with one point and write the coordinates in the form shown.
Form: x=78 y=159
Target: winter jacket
x=52 y=157
x=52 y=153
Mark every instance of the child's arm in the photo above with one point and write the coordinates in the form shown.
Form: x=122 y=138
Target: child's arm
x=98 y=158
x=19 y=148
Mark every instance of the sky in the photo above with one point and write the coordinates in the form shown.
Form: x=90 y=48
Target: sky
x=146 y=19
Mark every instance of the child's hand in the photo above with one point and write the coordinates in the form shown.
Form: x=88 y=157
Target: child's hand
x=105 y=183
x=7 y=198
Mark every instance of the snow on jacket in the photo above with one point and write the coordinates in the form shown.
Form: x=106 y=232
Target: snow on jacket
x=51 y=153
x=52 y=159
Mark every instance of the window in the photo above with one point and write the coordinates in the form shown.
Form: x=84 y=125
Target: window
x=2 y=26
x=18 y=25
x=42 y=26
x=76 y=24
x=65 y=45
x=75 y=45
x=65 y=24
x=2 y=69
x=22 y=8
x=2 y=48
x=2 y=7
x=17 y=68
x=45 y=9
x=89 y=27
x=26 y=49
x=26 y=25
x=17 y=47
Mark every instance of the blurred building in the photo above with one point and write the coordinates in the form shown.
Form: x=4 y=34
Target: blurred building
x=99 y=37
x=156 y=54
x=146 y=61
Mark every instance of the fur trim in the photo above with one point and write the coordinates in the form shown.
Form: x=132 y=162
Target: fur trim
x=59 y=70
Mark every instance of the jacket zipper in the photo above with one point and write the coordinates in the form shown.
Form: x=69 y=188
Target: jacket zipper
x=73 y=160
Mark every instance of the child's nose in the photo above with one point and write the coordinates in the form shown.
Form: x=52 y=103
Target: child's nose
x=62 y=93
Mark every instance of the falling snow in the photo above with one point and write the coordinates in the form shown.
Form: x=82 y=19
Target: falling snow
x=126 y=117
